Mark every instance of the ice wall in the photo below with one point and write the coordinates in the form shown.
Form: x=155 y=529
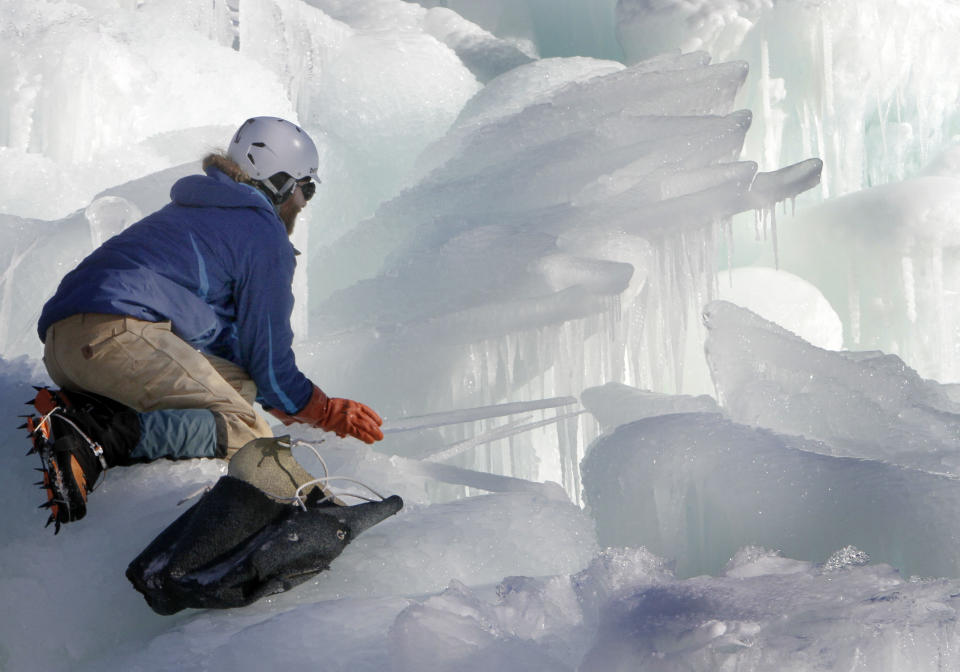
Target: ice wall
x=872 y=91
x=811 y=450
x=869 y=88
x=96 y=94
x=561 y=234
x=483 y=53
x=551 y=28
x=886 y=259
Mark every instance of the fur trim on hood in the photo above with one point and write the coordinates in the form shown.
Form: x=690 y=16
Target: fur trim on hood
x=228 y=167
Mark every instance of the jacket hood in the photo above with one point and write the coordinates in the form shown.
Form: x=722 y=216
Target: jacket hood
x=217 y=190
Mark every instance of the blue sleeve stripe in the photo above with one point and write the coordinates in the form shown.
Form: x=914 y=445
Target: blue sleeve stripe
x=271 y=374
x=204 y=281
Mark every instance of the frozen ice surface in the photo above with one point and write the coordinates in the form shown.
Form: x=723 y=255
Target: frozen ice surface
x=872 y=407
x=886 y=261
x=627 y=611
x=786 y=299
x=780 y=616
x=615 y=404
x=696 y=487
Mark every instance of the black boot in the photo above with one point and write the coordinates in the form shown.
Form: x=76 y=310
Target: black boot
x=79 y=435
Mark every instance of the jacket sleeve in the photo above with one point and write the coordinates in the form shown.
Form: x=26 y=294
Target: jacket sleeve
x=264 y=302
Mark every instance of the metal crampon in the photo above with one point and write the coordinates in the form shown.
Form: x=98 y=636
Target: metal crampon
x=68 y=457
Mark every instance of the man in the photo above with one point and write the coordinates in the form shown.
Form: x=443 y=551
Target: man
x=163 y=337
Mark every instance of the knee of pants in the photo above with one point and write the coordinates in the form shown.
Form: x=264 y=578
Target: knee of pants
x=239 y=432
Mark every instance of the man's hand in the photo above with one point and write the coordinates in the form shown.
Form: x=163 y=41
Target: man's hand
x=344 y=417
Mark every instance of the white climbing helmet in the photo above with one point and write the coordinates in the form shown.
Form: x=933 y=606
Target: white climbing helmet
x=266 y=146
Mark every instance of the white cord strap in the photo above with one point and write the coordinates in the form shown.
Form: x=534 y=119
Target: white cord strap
x=298 y=498
x=94 y=447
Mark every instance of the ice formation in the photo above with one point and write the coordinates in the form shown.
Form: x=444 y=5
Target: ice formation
x=866 y=88
x=527 y=208
x=768 y=377
x=897 y=291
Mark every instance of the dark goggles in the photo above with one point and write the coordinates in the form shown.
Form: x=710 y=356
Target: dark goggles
x=307 y=187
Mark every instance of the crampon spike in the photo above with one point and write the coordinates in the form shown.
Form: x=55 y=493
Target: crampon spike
x=46 y=400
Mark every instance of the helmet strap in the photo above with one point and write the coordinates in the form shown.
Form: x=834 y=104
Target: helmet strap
x=277 y=193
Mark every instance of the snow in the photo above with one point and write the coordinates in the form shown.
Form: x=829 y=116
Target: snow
x=656 y=297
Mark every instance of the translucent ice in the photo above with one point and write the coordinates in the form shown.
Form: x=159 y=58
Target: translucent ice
x=872 y=107
x=785 y=299
x=493 y=228
x=101 y=81
x=769 y=377
x=886 y=261
x=615 y=404
x=696 y=487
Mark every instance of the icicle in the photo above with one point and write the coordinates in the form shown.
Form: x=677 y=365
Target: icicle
x=726 y=230
x=472 y=479
x=827 y=74
x=765 y=104
x=567 y=439
x=944 y=352
x=462 y=416
x=506 y=431
x=853 y=305
x=882 y=117
x=821 y=150
x=909 y=288
x=773 y=236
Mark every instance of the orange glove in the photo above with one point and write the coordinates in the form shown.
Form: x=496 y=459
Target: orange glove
x=342 y=416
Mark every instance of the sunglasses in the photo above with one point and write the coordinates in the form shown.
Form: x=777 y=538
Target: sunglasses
x=307 y=187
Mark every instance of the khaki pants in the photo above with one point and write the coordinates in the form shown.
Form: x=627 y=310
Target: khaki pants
x=147 y=367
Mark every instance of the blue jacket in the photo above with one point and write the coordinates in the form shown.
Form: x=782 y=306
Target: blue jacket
x=216 y=262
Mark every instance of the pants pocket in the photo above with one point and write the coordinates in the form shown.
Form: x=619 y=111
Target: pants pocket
x=126 y=345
